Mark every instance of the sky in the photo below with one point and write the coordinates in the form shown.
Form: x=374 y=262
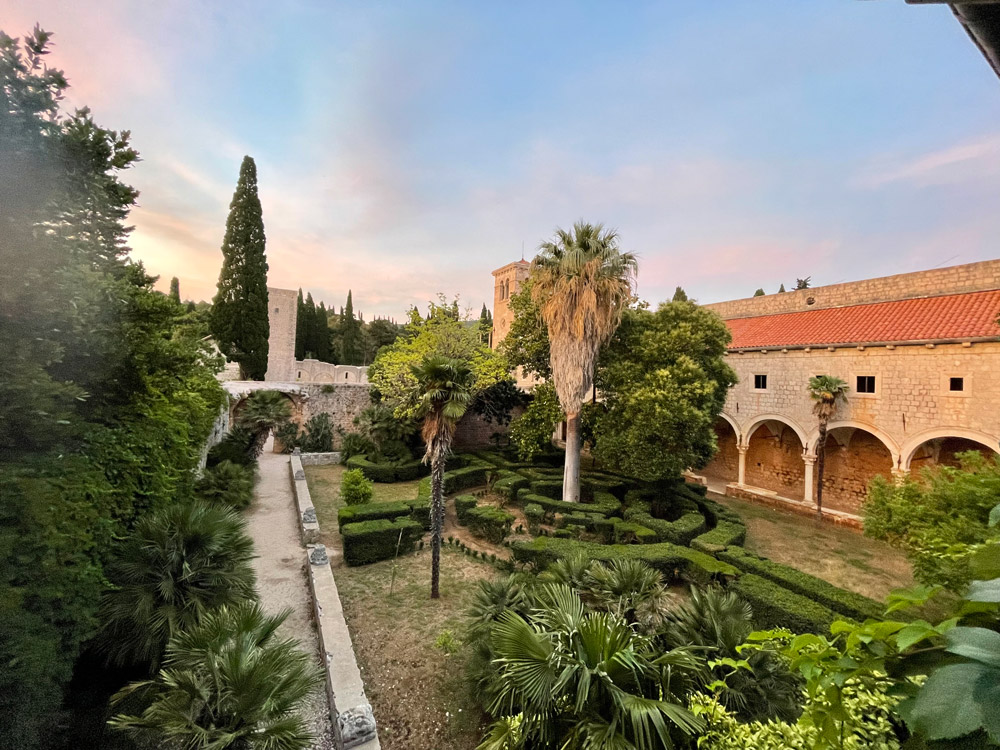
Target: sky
x=409 y=148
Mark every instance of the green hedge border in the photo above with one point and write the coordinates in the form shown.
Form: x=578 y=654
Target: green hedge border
x=372 y=541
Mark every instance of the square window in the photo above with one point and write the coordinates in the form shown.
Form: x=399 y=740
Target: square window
x=866 y=384
x=760 y=382
x=956 y=384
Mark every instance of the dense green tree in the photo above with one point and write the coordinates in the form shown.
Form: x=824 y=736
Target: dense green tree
x=179 y=564
x=531 y=432
x=485 y=324
x=803 y=283
x=679 y=295
x=445 y=390
x=300 y=327
x=781 y=289
x=175 y=290
x=664 y=381
x=230 y=682
x=350 y=335
x=527 y=342
x=379 y=334
x=239 y=310
x=105 y=400
x=582 y=283
x=759 y=293
x=391 y=374
x=309 y=342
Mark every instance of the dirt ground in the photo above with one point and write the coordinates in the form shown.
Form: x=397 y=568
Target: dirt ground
x=841 y=556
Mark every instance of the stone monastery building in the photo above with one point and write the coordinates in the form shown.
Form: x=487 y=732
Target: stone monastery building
x=919 y=351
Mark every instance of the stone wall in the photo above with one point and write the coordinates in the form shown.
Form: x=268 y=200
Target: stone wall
x=314 y=371
x=971 y=277
x=475 y=433
x=282 y=312
x=774 y=460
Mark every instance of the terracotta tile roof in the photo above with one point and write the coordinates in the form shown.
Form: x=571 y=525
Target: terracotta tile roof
x=953 y=316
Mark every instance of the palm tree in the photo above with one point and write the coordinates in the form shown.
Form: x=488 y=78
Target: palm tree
x=829 y=393
x=582 y=282
x=573 y=679
x=261 y=413
x=179 y=564
x=446 y=391
x=230 y=682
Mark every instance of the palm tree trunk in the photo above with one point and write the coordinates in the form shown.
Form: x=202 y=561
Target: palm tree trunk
x=437 y=521
x=571 y=472
x=820 y=464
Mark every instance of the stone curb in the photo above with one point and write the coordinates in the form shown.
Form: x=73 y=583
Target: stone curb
x=320 y=459
x=353 y=721
x=308 y=525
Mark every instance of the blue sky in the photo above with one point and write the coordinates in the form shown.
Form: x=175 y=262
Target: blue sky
x=409 y=148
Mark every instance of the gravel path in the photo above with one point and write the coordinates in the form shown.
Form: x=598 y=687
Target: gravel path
x=281 y=574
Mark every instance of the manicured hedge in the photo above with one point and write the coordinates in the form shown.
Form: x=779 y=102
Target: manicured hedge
x=602 y=503
x=587 y=521
x=385 y=473
x=846 y=603
x=716 y=513
x=776 y=607
x=628 y=532
x=371 y=541
x=509 y=486
x=463 y=504
x=388 y=472
x=418 y=510
x=681 y=531
x=670 y=559
x=489 y=522
x=726 y=534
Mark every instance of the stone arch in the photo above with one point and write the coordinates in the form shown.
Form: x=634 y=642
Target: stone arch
x=734 y=424
x=294 y=398
x=954 y=434
x=855 y=454
x=774 y=446
x=846 y=424
x=725 y=464
x=760 y=419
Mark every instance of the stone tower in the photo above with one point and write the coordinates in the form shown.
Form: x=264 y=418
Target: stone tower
x=506 y=281
x=282 y=312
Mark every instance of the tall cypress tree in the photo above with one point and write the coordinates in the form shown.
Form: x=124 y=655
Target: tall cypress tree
x=351 y=342
x=239 y=311
x=485 y=324
x=175 y=290
x=309 y=332
x=322 y=334
x=300 y=328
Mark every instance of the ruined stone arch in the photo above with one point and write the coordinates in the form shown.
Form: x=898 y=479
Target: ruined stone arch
x=888 y=442
x=911 y=446
x=760 y=419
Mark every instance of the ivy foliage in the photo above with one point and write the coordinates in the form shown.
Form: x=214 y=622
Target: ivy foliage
x=106 y=392
x=940 y=518
x=441 y=333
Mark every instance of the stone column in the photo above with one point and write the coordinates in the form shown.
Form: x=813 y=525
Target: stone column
x=743 y=464
x=810 y=462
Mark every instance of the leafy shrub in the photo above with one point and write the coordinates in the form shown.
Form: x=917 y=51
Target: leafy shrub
x=491 y=523
x=937 y=518
x=776 y=607
x=447 y=642
x=534 y=513
x=725 y=534
x=355 y=489
x=371 y=541
x=868 y=725
x=354 y=444
x=846 y=603
x=670 y=559
x=318 y=436
x=288 y=435
x=234 y=447
x=531 y=432
x=228 y=484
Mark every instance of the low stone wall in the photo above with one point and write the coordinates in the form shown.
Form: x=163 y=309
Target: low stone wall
x=219 y=430
x=320 y=459
x=772 y=499
x=308 y=525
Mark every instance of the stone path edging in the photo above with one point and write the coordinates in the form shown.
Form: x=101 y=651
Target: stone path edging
x=308 y=525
